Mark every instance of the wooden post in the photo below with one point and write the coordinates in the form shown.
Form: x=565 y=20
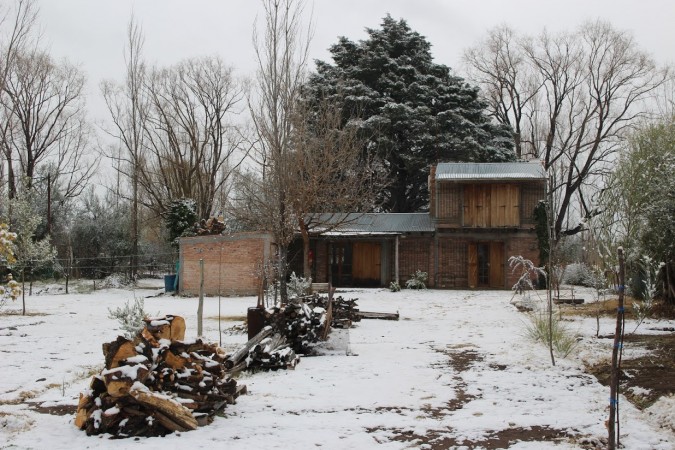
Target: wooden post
x=396 y=261
x=200 y=308
x=613 y=441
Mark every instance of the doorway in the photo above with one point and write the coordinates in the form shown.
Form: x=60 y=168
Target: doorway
x=486 y=264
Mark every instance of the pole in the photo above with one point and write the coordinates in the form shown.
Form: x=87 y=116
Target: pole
x=613 y=441
x=200 y=308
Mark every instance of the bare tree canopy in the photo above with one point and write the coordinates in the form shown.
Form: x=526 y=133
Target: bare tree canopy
x=570 y=98
x=44 y=124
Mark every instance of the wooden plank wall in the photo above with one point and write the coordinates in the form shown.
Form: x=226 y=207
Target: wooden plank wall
x=491 y=205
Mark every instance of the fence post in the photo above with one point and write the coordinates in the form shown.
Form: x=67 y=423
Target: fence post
x=613 y=441
x=200 y=309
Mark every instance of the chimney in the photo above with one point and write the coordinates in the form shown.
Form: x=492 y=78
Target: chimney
x=432 y=192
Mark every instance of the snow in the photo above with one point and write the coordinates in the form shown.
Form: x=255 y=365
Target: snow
x=456 y=363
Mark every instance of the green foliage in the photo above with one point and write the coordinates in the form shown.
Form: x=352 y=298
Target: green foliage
x=411 y=111
x=130 y=317
x=564 y=341
x=640 y=200
x=31 y=254
x=541 y=228
x=394 y=287
x=11 y=290
x=417 y=280
x=643 y=309
x=180 y=217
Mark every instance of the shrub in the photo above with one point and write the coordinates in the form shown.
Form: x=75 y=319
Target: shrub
x=130 y=317
x=417 y=280
x=298 y=286
x=579 y=274
x=394 y=286
x=564 y=341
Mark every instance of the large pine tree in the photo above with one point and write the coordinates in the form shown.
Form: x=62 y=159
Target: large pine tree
x=414 y=112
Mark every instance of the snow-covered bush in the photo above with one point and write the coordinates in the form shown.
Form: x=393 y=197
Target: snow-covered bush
x=529 y=273
x=130 y=317
x=579 y=274
x=116 y=281
x=394 y=286
x=12 y=289
x=417 y=280
x=298 y=286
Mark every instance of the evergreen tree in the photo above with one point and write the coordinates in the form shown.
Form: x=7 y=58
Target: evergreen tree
x=412 y=111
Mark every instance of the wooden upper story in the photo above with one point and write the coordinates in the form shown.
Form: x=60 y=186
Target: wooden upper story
x=485 y=195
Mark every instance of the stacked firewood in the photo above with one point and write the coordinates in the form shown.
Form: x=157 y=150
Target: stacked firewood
x=210 y=226
x=156 y=384
x=267 y=350
x=344 y=312
x=301 y=324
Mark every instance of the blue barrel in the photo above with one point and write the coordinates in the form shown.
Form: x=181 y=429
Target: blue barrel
x=169 y=283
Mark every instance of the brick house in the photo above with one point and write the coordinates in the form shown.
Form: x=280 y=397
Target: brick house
x=232 y=263
x=479 y=215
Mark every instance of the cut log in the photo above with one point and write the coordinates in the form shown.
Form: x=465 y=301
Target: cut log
x=167 y=327
x=118 y=350
x=173 y=410
x=118 y=381
x=568 y=301
x=378 y=315
x=240 y=354
x=83 y=406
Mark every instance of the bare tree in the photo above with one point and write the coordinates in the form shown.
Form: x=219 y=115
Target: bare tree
x=282 y=57
x=128 y=108
x=191 y=143
x=327 y=172
x=44 y=124
x=580 y=93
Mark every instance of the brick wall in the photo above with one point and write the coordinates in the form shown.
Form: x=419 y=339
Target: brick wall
x=415 y=253
x=525 y=246
x=453 y=267
x=231 y=263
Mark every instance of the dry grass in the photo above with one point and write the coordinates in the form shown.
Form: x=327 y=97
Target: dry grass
x=227 y=318
x=608 y=309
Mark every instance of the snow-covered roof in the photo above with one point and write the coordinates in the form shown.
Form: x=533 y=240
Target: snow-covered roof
x=490 y=171
x=368 y=224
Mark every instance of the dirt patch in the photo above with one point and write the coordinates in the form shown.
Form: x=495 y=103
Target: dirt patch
x=440 y=440
x=645 y=379
x=57 y=410
x=607 y=308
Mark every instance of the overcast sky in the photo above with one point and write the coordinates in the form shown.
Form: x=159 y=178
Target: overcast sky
x=91 y=33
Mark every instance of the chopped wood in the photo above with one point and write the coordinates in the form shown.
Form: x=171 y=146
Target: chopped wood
x=154 y=384
x=378 y=315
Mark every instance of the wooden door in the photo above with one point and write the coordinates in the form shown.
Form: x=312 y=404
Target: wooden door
x=497 y=264
x=473 y=265
x=366 y=263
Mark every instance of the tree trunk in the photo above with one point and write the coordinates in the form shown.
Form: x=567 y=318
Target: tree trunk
x=613 y=441
x=307 y=270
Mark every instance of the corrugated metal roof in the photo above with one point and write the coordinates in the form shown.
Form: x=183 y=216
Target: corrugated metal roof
x=374 y=223
x=491 y=171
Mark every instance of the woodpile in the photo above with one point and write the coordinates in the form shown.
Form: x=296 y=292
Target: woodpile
x=267 y=350
x=301 y=323
x=344 y=312
x=156 y=384
x=210 y=226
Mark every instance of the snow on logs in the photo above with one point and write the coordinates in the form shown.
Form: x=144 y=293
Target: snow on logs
x=156 y=384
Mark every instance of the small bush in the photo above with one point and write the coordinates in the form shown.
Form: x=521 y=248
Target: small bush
x=298 y=286
x=417 y=280
x=394 y=286
x=579 y=274
x=564 y=341
x=130 y=317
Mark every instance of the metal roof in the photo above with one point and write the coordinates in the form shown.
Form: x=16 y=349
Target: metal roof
x=361 y=224
x=491 y=171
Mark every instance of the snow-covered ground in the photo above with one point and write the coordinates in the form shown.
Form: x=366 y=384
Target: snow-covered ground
x=455 y=370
